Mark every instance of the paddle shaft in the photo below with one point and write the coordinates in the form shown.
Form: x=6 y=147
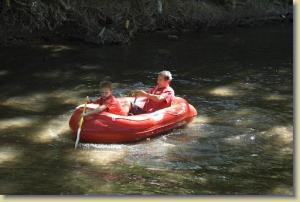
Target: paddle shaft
x=80 y=124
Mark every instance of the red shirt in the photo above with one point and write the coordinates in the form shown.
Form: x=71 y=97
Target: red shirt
x=166 y=92
x=113 y=105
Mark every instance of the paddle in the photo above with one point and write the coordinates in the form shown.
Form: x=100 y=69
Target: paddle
x=80 y=123
x=134 y=100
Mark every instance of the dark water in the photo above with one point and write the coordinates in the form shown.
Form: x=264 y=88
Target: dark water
x=240 y=81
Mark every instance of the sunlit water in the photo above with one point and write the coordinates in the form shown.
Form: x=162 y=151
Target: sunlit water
x=240 y=81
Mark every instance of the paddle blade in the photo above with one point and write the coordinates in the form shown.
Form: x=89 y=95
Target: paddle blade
x=77 y=138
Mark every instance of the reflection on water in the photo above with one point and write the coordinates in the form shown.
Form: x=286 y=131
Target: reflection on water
x=51 y=130
x=8 y=154
x=240 y=143
x=224 y=91
x=16 y=122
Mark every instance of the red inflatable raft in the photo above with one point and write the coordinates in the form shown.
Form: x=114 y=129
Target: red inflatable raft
x=110 y=128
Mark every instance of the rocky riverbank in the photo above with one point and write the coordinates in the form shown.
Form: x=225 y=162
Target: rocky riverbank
x=118 y=21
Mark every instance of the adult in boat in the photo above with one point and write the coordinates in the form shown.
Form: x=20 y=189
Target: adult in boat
x=158 y=97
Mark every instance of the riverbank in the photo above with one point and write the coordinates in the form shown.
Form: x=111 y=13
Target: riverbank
x=118 y=22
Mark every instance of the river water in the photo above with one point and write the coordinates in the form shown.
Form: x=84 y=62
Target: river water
x=239 y=80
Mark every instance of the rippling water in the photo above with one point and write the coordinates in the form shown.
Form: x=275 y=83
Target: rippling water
x=240 y=81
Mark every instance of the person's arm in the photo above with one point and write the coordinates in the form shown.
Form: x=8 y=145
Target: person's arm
x=95 y=111
x=156 y=98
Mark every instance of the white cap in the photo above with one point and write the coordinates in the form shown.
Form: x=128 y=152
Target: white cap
x=167 y=74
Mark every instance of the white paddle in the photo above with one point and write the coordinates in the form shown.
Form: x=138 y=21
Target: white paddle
x=81 y=123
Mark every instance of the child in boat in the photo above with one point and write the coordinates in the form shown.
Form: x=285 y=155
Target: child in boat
x=107 y=102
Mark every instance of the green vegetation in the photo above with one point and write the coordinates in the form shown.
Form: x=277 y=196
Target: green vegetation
x=116 y=21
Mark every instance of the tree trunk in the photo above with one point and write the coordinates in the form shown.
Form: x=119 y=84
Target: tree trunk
x=160 y=6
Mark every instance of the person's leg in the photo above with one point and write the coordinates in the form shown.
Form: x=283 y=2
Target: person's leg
x=135 y=110
x=126 y=106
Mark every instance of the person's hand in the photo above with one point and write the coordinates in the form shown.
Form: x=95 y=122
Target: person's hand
x=83 y=115
x=140 y=93
x=89 y=100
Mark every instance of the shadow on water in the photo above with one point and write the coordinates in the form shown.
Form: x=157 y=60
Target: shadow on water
x=240 y=143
